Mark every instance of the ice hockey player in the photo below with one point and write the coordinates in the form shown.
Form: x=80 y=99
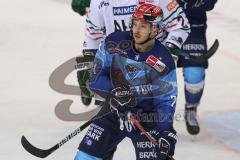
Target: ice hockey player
x=107 y=16
x=138 y=45
x=194 y=72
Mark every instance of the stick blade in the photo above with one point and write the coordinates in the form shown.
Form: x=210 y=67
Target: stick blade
x=33 y=150
x=213 y=49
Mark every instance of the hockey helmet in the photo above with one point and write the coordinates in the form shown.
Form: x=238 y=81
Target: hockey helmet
x=149 y=13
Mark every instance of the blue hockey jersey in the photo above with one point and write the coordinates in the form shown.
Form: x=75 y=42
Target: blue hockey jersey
x=195 y=11
x=138 y=69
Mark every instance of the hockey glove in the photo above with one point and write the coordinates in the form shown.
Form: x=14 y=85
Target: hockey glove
x=167 y=143
x=80 y=6
x=83 y=78
x=174 y=50
x=122 y=96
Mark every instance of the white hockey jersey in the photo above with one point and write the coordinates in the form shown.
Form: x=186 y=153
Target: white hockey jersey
x=107 y=16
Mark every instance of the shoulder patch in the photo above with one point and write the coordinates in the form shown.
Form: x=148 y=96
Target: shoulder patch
x=171 y=5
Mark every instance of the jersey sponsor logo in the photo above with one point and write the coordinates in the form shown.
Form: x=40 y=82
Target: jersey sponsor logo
x=120 y=93
x=194 y=47
x=147 y=155
x=102 y=4
x=124 y=10
x=144 y=89
x=171 y=5
x=94 y=132
x=140 y=2
x=145 y=144
x=156 y=63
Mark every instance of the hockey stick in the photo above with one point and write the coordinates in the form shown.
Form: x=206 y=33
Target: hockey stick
x=144 y=132
x=41 y=153
x=203 y=57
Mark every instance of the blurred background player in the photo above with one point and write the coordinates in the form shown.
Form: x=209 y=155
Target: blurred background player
x=194 y=72
x=105 y=17
x=119 y=66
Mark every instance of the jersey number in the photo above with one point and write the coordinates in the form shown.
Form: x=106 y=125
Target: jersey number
x=120 y=26
x=174 y=99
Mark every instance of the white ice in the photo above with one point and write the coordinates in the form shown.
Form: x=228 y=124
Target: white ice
x=36 y=36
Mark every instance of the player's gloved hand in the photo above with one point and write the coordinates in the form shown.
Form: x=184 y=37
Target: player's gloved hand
x=167 y=143
x=174 y=50
x=80 y=6
x=83 y=78
x=122 y=96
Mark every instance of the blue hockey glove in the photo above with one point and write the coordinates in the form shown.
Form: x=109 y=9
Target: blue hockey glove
x=167 y=143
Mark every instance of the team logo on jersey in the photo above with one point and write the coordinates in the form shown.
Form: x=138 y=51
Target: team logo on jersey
x=88 y=141
x=194 y=47
x=132 y=71
x=172 y=5
x=124 y=10
x=136 y=57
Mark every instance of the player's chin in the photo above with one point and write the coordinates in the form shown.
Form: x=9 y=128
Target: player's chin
x=138 y=40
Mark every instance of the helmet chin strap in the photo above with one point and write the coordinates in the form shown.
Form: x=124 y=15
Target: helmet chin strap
x=148 y=38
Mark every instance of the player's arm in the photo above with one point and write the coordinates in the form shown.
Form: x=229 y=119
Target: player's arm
x=100 y=73
x=167 y=137
x=175 y=23
x=94 y=31
x=100 y=81
x=165 y=105
x=92 y=36
x=205 y=5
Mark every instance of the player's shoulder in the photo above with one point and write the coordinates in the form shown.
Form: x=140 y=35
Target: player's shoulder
x=161 y=47
x=164 y=54
x=167 y=6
